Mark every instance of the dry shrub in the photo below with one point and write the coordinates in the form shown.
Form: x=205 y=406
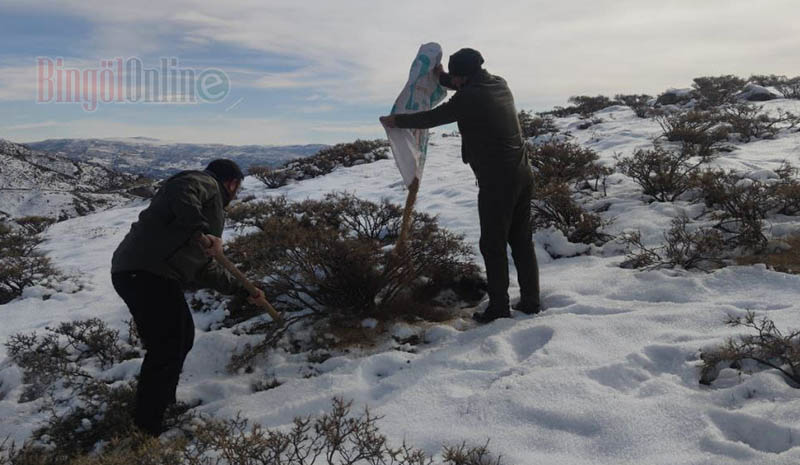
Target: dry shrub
x=335 y=256
x=699 y=132
x=699 y=248
x=789 y=87
x=21 y=264
x=749 y=122
x=785 y=258
x=337 y=437
x=714 y=91
x=742 y=205
x=534 y=126
x=639 y=103
x=62 y=354
x=553 y=205
x=663 y=174
x=558 y=162
x=273 y=178
x=769 y=347
x=584 y=105
x=323 y=162
x=34 y=224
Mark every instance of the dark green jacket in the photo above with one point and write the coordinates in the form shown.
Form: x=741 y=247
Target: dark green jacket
x=491 y=139
x=163 y=240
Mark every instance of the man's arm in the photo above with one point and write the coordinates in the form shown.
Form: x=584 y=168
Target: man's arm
x=447 y=112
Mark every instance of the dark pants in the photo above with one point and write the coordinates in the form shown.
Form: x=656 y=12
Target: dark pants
x=166 y=328
x=505 y=215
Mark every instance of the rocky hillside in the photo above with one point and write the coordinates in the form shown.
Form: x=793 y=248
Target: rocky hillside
x=158 y=159
x=36 y=183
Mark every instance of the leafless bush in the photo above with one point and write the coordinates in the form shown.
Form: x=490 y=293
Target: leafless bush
x=584 y=105
x=786 y=191
x=663 y=174
x=699 y=132
x=534 y=125
x=567 y=162
x=337 y=437
x=34 y=224
x=271 y=177
x=324 y=161
x=335 y=255
x=553 y=205
x=769 y=347
x=742 y=205
x=639 y=103
x=21 y=264
x=789 y=87
x=60 y=354
x=714 y=91
x=701 y=248
x=750 y=122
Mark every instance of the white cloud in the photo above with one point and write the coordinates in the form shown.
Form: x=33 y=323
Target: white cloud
x=360 y=51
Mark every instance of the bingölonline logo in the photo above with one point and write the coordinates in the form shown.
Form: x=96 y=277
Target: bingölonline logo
x=127 y=80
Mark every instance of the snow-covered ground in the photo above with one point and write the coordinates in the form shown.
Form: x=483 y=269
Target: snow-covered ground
x=608 y=374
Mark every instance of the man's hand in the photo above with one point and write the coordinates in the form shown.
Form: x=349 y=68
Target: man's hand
x=212 y=245
x=388 y=121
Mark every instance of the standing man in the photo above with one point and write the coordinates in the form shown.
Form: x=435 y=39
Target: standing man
x=160 y=255
x=491 y=143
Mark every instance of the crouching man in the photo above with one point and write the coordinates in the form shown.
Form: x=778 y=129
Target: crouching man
x=161 y=254
x=491 y=143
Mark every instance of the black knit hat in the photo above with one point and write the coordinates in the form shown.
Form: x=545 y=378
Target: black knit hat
x=225 y=169
x=465 y=62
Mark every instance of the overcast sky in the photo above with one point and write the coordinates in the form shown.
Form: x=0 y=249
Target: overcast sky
x=323 y=71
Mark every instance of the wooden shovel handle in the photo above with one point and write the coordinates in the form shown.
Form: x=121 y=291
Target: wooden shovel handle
x=228 y=265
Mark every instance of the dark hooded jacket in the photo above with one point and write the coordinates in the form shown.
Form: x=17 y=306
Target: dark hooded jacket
x=491 y=139
x=164 y=239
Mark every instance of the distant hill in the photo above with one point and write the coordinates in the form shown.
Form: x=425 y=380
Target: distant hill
x=159 y=159
x=37 y=183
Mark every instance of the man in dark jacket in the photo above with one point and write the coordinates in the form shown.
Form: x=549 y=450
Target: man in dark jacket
x=491 y=143
x=156 y=259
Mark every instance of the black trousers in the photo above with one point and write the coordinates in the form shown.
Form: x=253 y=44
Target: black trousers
x=165 y=325
x=505 y=215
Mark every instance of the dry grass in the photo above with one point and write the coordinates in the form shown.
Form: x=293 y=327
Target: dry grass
x=785 y=261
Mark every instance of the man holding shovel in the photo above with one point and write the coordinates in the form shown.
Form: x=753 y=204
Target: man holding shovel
x=171 y=245
x=491 y=143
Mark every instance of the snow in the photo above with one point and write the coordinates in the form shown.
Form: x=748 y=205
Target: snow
x=607 y=374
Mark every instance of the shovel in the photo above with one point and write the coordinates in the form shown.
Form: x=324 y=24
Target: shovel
x=228 y=265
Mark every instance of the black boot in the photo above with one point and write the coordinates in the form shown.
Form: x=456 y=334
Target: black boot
x=492 y=313
x=528 y=306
